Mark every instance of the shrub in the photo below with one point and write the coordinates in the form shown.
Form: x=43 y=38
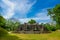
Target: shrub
x=57 y=26
x=47 y=28
x=50 y=28
x=53 y=28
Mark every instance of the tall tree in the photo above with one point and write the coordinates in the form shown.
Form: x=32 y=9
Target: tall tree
x=55 y=13
x=12 y=25
x=2 y=21
x=32 y=21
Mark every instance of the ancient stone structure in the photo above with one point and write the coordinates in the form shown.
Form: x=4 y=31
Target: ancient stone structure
x=30 y=28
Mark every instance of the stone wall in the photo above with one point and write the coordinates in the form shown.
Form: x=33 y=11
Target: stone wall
x=30 y=28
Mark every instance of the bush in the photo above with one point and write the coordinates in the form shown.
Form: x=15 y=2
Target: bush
x=50 y=28
x=3 y=32
x=47 y=28
x=53 y=28
x=57 y=26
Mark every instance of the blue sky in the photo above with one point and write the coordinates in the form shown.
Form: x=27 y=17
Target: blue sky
x=25 y=10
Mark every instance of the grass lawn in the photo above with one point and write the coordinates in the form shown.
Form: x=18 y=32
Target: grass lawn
x=50 y=36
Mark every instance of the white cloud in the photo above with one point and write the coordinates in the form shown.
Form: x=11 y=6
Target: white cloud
x=43 y=15
x=10 y=9
x=23 y=6
x=40 y=16
x=25 y=20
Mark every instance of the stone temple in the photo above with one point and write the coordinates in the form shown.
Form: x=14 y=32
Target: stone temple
x=30 y=28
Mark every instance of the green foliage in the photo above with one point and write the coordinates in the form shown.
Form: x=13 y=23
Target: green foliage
x=11 y=26
x=32 y=21
x=2 y=21
x=55 y=13
x=49 y=27
x=8 y=24
x=16 y=25
x=53 y=28
x=57 y=26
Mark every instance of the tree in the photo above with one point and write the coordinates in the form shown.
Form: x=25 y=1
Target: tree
x=16 y=25
x=42 y=24
x=55 y=14
x=32 y=21
x=9 y=25
x=12 y=25
x=2 y=21
x=49 y=27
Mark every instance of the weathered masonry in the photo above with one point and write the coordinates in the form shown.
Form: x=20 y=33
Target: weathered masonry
x=30 y=28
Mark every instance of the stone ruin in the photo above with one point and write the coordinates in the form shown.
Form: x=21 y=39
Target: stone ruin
x=30 y=29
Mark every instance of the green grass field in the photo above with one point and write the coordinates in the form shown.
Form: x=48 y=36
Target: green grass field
x=50 y=36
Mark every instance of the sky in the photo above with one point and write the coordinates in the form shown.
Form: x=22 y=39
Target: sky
x=25 y=10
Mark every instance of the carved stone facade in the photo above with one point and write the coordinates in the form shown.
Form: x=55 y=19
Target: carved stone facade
x=30 y=28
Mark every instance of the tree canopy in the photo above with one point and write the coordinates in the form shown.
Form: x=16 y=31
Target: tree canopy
x=2 y=21
x=32 y=21
x=55 y=14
